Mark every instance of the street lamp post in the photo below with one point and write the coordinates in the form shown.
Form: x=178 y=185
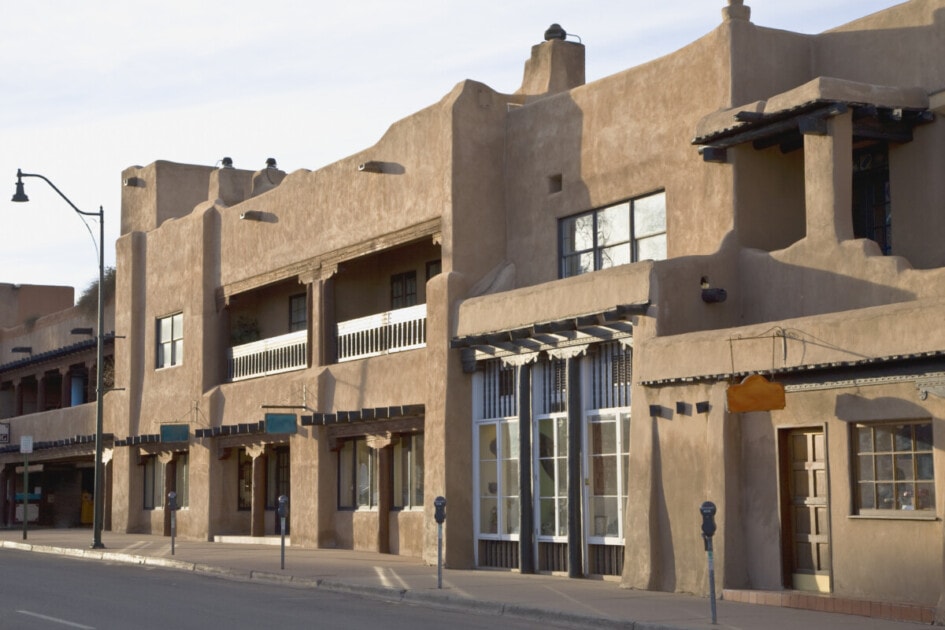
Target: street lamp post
x=99 y=492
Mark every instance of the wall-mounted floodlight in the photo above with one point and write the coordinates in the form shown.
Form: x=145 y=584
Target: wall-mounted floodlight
x=371 y=166
x=251 y=215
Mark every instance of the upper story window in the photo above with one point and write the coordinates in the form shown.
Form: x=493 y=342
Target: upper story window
x=403 y=289
x=170 y=343
x=894 y=467
x=616 y=235
x=872 y=210
x=434 y=268
x=298 y=313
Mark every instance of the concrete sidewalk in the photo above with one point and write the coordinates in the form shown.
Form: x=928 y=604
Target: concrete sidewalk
x=544 y=599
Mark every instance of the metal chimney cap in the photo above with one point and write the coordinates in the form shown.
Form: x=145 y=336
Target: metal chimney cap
x=555 y=32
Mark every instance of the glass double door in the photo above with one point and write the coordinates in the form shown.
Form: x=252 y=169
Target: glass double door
x=602 y=493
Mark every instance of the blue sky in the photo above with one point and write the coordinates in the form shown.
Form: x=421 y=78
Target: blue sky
x=91 y=88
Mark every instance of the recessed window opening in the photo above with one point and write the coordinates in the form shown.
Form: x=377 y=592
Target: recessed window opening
x=872 y=209
x=555 y=184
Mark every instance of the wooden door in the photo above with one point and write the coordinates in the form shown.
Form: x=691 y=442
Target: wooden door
x=805 y=510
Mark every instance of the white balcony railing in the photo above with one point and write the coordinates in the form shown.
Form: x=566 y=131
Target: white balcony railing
x=268 y=356
x=384 y=333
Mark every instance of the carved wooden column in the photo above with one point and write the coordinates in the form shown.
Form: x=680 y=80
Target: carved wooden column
x=260 y=464
x=166 y=460
x=382 y=443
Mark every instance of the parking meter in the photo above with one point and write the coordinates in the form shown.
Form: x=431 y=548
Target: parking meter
x=708 y=510
x=283 y=510
x=172 y=506
x=440 y=512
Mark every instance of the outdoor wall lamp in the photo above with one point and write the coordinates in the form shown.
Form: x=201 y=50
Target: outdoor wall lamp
x=81 y=331
x=99 y=491
x=22 y=349
x=371 y=166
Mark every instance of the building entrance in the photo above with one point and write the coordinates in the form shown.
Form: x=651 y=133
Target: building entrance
x=805 y=510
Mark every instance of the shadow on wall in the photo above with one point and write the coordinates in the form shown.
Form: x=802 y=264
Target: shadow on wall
x=790 y=290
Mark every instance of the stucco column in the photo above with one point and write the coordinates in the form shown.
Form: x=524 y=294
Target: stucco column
x=18 y=398
x=41 y=393
x=109 y=481
x=6 y=493
x=828 y=180
x=65 y=389
x=166 y=460
x=260 y=464
x=526 y=530
x=575 y=471
x=326 y=494
x=320 y=293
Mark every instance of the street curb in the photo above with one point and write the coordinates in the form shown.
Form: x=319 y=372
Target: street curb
x=429 y=598
x=221 y=572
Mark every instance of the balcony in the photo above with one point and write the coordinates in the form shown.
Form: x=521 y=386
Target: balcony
x=274 y=355
x=383 y=333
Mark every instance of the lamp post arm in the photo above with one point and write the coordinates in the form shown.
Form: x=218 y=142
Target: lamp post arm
x=20 y=174
x=98 y=517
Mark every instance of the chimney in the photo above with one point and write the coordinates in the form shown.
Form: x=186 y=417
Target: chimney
x=556 y=65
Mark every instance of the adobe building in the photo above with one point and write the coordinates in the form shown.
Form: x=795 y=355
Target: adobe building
x=577 y=312
x=48 y=379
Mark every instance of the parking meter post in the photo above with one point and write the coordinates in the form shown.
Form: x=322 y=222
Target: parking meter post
x=283 y=508
x=708 y=509
x=26 y=492
x=26 y=447
x=172 y=506
x=439 y=514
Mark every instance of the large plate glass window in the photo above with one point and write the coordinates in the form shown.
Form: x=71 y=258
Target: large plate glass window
x=626 y=232
x=496 y=451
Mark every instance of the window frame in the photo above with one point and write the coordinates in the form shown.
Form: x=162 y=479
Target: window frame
x=152 y=483
x=403 y=289
x=182 y=479
x=881 y=458
x=407 y=472
x=169 y=351
x=434 y=268
x=350 y=495
x=278 y=474
x=244 y=481
x=634 y=238
x=298 y=305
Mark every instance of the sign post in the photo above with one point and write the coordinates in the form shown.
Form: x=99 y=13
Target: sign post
x=26 y=447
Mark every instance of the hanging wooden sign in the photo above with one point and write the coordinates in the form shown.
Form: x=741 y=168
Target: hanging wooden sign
x=755 y=393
